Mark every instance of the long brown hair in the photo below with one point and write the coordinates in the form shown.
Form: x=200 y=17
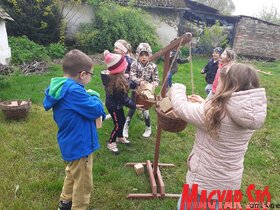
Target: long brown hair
x=238 y=77
x=117 y=83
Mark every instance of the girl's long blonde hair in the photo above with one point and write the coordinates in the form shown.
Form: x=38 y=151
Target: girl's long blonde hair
x=237 y=77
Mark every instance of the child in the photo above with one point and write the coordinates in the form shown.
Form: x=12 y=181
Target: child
x=174 y=67
x=227 y=58
x=211 y=68
x=116 y=98
x=142 y=71
x=75 y=112
x=123 y=48
x=224 y=126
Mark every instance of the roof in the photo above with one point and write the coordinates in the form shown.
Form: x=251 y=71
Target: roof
x=193 y=11
x=153 y=4
x=4 y=15
x=193 y=5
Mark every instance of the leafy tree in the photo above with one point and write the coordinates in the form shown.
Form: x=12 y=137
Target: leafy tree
x=270 y=14
x=113 y=22
x=39 y=20
x=214 y=36
x=226 y=7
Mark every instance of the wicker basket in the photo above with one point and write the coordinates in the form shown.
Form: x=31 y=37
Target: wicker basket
x=15 y=109
x=142 y=100
x=170 y=124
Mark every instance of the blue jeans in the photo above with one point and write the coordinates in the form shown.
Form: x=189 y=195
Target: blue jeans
x=208 y=88
x=169 y=79
x=191 y=207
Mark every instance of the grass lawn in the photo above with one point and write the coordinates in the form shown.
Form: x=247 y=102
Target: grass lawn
x=32 y=171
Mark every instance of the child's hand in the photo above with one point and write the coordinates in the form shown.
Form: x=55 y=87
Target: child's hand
x=202 y=71
x=126 y=76
x=196 y=98
x=139 y=106
x=93 y=93
x=142 y=84
x=154 y=83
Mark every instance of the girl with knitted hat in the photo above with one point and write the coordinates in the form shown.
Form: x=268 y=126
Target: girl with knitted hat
x=142 y=71
x=122 y=47
x=117 y=97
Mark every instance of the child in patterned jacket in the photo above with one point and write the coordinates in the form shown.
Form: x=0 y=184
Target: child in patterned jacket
x=142 y=71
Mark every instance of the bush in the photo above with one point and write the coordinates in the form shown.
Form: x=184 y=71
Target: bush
x=214 y=36
x=25 y=51
x=56 y=50
x=38 y=20
x=115 y=22
x=185 y=52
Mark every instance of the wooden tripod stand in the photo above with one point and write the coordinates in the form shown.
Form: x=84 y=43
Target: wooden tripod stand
x=153 y=170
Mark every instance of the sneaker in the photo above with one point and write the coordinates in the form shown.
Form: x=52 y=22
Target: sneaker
x=125 y=130
x=148 y=132
x=113 y=147
x=122 y=140
x=108 y=117
x=64 y=206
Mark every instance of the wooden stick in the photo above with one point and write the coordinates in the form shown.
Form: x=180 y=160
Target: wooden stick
x=150 y=195
x=152 y=178
x=190 y=55
x=264 y=72
x=159 y=164
x=169 y=68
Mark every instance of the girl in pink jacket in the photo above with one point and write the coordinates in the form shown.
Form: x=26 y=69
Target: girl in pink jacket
x=227 y=58
x=224 y=126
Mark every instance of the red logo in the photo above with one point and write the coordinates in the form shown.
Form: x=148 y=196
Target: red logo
x=227 y=199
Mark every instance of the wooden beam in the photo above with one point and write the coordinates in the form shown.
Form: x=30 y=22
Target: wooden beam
x=160 y=183
x=150 y=195
x=159 y=164
x=152 y=178
x=186 y=38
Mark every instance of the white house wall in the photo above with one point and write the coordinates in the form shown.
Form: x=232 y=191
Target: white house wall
x=75 y=15
x=5 y=51
x=165 y=22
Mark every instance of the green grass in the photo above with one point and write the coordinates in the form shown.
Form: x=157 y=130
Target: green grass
x=30 y=157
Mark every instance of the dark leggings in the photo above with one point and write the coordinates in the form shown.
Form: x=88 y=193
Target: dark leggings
x=119 y=120
x=145 y=113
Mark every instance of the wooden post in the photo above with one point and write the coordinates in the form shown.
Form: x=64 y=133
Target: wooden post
x=152 y=168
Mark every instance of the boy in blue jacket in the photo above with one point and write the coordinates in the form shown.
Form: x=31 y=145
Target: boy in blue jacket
x=75 y=111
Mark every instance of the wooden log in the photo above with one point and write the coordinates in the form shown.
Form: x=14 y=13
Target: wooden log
x=152 y=178
x=187 y=37
x=161 y=183
x=160 y=164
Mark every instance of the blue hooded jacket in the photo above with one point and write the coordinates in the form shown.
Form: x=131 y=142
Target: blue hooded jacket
x=74 y=112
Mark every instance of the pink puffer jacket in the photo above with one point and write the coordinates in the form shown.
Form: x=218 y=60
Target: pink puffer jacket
x=218 y=163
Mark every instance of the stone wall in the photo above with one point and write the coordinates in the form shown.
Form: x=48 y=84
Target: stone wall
x=256 y=38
